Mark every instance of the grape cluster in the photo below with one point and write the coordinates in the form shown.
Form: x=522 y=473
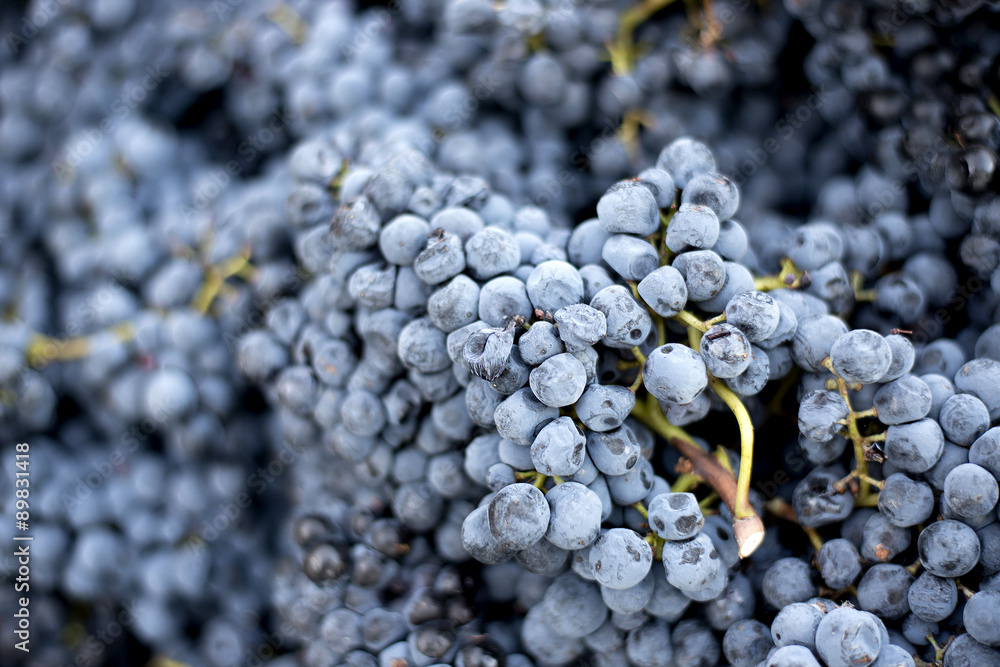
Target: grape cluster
x=915 y=92
x=368 y=588
x=531 y=363
x=931 y=433
x=124 y=290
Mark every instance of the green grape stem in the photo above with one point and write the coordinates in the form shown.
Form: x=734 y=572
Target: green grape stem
x=748 y=528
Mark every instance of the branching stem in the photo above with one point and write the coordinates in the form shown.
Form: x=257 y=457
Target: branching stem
x=749 y=530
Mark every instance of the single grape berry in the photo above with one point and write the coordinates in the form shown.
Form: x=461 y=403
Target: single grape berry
x=518 y=516
x=675 y=373
x=675 y=516
x=861 y=356
x=620 y=558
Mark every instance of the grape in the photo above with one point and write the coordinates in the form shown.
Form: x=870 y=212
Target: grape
x=788 y=580
x=738 y=279
x=691 y=565
x=559 y=380
x=951 y=457
x=693 y=226
x=751 y=381
x=558 y=448
x=970 y=490
x=754 y=313
x=629 y=207
x=675 y=516
x=815 y=502
x=542 y=557
x=847 y=636
x=518 y=516
x=725 y=351
x=795 y=625
x=502 y=299
x=649 y=645
x=620 y=558
x=629 y=257
x=585 y=244
x=814 y=340
x=694 y=644
x=746 y=643
x=457 y=218
x=915 y=630
x=614 y=452
x=580 y=326
x=819 y=413
x=963 y=419
x=491 y=252
x=667 y=602
x=932 y=598
x=704 y=274
x=260 y=356
x=905 y=502
x=403 y=239
x=498 y=476
x=553 y=285
x=861 y=356
x=985 y=451
x=883 y=541
x=675 y=373
x=628 y=323
x=883 y=591
x=628 y=600
x=978 y=379
x=813 y=245
x=733 y=242
x=791 y=655
x=839 y=563
x=521 y=416
x=948 y=548
x=539 y=343
x=684 y=159
x=417 y=505
x=660 y=184
x=323 y=563
x=422 y=347
x=965 y=650
x=664 y=290
x=981 y=617
x=604 y=407
x=454 y=305
x=632 y=486
x=575 y=516
x=941 y=390
x=989 y=559
x=904 y=400
x=714 y=191
x=914 y=447
x=894 y=656
x=540 y=640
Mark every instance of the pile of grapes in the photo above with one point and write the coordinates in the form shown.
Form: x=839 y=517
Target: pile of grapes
x=450 y=332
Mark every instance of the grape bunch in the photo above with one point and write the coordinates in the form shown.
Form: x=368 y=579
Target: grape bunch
x=931 y=433
x=916 y=94
x=545 y=356
x=123 y=293
x=555 y=359
x=145 y=547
